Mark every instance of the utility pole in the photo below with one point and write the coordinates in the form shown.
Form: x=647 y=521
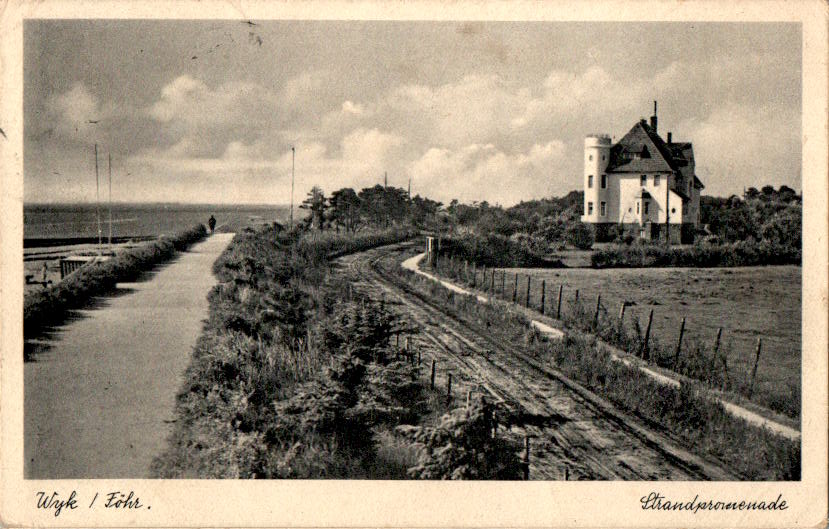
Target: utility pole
x=409 y=192
x=293 y=157
x=667 y=211
x=97 y=200
x=385 y=180
x=109 y=156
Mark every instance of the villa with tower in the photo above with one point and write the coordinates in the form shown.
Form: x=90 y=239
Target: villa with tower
x=643 y=183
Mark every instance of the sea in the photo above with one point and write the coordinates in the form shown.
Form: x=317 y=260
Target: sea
x=54 y=224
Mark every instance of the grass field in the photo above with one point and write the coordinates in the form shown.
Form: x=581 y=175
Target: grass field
x=747 y=303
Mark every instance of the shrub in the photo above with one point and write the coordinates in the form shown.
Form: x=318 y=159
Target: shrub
x=495 y=250
x=580 y=235
x=702 y=254
x=49 y=306
x=461 y=446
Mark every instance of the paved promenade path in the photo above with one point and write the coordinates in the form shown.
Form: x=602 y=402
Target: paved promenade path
x=99 y=398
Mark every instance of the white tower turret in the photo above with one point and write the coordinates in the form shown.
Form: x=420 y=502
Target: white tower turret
x=596 y=158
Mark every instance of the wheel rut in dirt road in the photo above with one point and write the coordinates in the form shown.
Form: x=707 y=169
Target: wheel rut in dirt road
x=570 y=434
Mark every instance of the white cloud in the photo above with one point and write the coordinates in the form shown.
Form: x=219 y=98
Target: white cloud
x=77 y=113
x=352 y=108
x=741 y=146
x=483 y=172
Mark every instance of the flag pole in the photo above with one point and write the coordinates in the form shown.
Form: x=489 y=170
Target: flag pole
x=293 y=159
x=97 y=199
x=110 y=201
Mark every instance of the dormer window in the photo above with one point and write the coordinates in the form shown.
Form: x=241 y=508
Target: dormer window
x=645 y=152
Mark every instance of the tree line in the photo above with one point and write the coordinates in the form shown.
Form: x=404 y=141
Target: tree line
x=379 y=206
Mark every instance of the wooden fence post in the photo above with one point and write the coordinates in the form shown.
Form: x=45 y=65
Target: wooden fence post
x=528 y=292
x=492 y=284
x=596 y=314
x=622 y=317
x=432 y=378
x=503 y=283
x=543 y=294
x=717 y=342
x=468 y=398
x=754 y=371
x=483 y=278
x=577 y=297
x=418 y=357
x=725 y=373
x=566 y=472
x=647 y=336
x=515 y=289
x=526 y=463
x=474 y=273
x=679 y=345
x=558 y=305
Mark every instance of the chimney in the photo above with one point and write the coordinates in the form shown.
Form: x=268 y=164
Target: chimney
x=669 y=138
x=653 y=118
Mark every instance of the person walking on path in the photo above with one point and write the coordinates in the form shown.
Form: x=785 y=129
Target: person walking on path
x=212 y=223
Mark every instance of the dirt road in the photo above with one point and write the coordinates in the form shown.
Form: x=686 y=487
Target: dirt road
x=574 y=433
x=99 y=396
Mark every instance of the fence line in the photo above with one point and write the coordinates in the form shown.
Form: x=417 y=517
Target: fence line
x=641 y=346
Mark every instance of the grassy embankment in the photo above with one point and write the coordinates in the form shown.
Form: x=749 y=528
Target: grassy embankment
x=688 y=413
x=295 y=376
x=49 y=306
x=723 y=366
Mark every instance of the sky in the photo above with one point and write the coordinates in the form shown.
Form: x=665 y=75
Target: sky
x=207 y=111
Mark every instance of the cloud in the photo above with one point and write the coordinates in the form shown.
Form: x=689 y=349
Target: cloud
x=732 y=151
x=208 y=117
x=77 y=113
x=483 y=172
x=480 y=137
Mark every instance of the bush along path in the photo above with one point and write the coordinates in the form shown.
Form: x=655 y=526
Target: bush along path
x=100 y=397
x=48 y=307
x=297 y=375
x=684 y=409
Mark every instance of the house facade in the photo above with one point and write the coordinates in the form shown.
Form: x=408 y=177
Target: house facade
x=643 y=183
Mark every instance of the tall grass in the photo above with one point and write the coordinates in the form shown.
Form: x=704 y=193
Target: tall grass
x=742 y=253
x=293 y=377
x=696 y=360
x=48 y=307
x=688 y=412
x=493 y=250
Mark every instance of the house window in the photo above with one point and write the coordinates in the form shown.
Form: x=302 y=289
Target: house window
x=644 y=179
x=646 y=207
x=590 y=181
x=603 y=206
x=591 y=157
x=656 y=180
x=604 y=181
x=637 y=208
x=589 y=208
x=603 y=157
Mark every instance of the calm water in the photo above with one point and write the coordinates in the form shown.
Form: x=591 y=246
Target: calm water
x=59 y=221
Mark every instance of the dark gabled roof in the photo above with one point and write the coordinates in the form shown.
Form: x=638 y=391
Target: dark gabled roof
x=641 y=150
